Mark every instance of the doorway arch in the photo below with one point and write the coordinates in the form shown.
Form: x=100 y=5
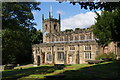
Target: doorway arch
x=38 y=60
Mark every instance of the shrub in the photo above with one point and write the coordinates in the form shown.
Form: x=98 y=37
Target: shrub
x=103 y=55
x=110 y=56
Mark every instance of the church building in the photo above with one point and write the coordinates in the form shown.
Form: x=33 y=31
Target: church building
x=64 y=47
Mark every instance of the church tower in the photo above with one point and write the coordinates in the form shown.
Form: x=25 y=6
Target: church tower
x=50 y=25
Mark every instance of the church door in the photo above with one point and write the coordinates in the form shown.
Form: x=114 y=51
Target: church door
x=38 y=60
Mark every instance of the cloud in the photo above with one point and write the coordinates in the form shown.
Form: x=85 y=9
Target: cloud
x=60 y=12
x=83 y=20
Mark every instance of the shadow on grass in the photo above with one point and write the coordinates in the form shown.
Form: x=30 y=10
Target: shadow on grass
x=15 y=74
x=109 y=71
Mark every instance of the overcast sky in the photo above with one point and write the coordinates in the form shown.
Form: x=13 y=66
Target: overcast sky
x=72 y=16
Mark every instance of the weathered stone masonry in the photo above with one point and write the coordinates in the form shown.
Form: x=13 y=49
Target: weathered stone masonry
x=64 y=47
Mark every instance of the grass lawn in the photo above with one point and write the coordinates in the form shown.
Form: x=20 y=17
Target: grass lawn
x=102 y=71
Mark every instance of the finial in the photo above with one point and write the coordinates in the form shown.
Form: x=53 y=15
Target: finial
x=59 y=16
x=50 y=13
x=43 y=17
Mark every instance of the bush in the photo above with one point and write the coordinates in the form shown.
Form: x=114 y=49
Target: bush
x=104 y=56
x=112 y=55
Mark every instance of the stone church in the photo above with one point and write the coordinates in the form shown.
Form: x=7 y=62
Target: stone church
x=64 y=47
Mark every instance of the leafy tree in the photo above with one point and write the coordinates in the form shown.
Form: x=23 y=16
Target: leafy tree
x=17 y=14
x=17 y=20
x=16 y=47
x=106 y=29
x=36 y=36
x=89 y=4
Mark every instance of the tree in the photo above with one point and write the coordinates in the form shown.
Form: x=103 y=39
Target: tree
x=16 y=47
x=17 y=20
x=106 y=28
x=110 y=29
x=36 y=36
x=18 y=14
x=92 y=5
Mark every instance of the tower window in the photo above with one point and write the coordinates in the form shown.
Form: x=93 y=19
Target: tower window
x=46 y=26
x=55 y=27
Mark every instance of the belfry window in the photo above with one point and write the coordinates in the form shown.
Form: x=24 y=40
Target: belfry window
x=46 y=26
x=55 y=27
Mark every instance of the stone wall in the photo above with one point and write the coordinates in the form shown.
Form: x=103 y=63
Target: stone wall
x=73 y=52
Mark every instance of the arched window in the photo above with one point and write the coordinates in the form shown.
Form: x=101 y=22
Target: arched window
x=49 y=57
x=87 y=55
x=60 y=56
x=46 y=27
x=55 y=27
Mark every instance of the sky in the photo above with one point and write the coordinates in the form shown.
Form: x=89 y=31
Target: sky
x=72 y=16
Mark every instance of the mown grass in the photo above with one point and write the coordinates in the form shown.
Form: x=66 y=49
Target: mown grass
x=102 y=71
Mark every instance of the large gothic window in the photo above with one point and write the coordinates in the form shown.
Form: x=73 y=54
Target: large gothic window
x=87 y=55
x=60 y=56
x=49 y=57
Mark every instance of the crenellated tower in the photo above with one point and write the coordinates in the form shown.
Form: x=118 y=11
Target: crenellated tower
x=50 y=25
